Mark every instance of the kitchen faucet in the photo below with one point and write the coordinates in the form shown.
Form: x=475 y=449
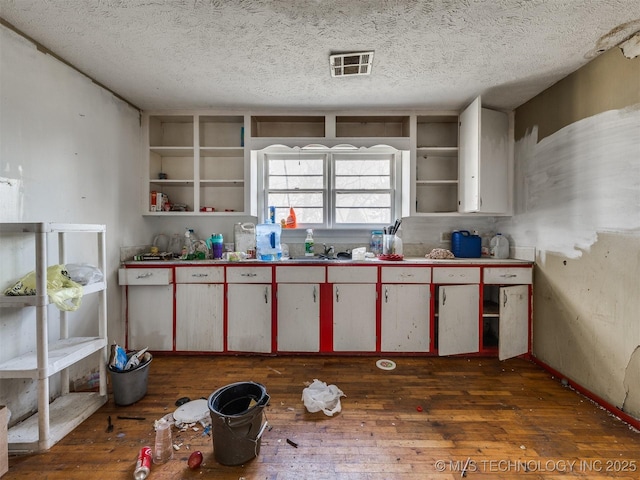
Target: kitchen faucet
x=328 y=251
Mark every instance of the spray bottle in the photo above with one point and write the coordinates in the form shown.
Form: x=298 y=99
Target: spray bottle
x=308 y=244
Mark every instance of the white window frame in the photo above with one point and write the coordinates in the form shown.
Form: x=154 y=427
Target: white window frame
x=329 y=189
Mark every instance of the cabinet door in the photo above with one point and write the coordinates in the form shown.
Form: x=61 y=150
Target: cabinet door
x=199 y=314
x=354 y=317
x=514 y=321
x=298 y=317
x=458 y=319
x=405 y=318
x=249 y=317
x=150 y=317
x=484 y=160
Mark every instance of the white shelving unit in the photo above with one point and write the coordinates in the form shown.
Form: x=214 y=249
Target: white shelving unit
x=197 y=161
x=54 y=420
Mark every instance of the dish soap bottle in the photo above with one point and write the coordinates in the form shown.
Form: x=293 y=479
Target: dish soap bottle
x=291 y=219
x=308 y=244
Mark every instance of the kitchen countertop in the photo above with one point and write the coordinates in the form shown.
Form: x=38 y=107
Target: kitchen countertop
x=484 y=261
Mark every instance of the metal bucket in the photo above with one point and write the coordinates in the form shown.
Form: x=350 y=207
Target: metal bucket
x=236 y=419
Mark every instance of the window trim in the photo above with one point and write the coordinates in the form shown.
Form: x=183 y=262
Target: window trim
x=329 y=190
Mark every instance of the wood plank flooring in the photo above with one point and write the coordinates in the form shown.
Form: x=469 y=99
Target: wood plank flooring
x=426 y=419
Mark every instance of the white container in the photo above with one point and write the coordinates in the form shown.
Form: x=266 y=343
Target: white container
x=499 y=246
x=244 y=237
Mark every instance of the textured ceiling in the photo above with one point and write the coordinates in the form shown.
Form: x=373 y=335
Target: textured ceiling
x=260 y=54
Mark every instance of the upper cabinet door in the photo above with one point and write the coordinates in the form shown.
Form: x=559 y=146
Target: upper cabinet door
x=484 y=160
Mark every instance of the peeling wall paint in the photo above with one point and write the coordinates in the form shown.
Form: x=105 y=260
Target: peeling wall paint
x=583 y=179
x=632 y=383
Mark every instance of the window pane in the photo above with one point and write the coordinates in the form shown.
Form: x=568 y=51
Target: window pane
x=363 y=215
x=297 y=166
x=296 y=182
x=363 y=200
x=308 y=206
x=363 y=167
x=363 y=183
x=363 y=174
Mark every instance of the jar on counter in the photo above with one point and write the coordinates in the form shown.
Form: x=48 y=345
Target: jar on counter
x=376 y=243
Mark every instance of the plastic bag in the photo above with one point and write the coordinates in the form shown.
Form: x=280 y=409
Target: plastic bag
x=63 y=292
x=83 y=273
x=320 y=396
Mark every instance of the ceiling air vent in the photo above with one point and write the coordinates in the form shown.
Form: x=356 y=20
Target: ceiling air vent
x=350 y=64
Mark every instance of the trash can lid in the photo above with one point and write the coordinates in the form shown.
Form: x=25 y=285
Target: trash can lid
x=192 y=412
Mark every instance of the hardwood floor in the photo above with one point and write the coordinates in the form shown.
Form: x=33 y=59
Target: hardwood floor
x=424 y=420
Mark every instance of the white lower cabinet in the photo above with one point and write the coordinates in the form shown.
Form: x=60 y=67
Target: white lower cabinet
x=151 y=317
x=514 y=321
x=298 y=317
x=354 y=317
x=249 y=307
x=200 y=309
x=405 y=318
x=458 y=317
x=405 y=309
x=506 y=309
x=354 y=308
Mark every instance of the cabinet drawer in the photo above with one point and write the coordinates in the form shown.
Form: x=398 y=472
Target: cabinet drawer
x=352 y=274
x=510 y=276
x=456 y=275
x=145 y=276
x=248 y=274
x=200 y=275
x=300 y=275
x=406 y=275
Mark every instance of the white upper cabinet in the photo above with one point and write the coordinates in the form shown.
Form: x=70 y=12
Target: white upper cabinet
x=196 y=163
x=483 y=160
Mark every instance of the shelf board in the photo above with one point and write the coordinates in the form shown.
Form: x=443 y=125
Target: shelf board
x=436 y=182
x=62 y=354
x=19 y=301
x=173 y=151
x=439 y=150
x=173 y=183
x=192 y=214
x=65 y=414
x=222 y=183
x=221 y=151
x=49 y=227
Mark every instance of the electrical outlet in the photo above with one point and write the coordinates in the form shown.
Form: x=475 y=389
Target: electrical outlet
x=445 y=237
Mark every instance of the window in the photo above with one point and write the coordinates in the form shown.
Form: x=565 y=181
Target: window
x=328 y=188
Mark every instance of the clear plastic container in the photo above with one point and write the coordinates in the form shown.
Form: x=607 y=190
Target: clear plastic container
x=499 y=246
x=244 y=236
x=163 y=451
x=268 y=245
x=376 y=243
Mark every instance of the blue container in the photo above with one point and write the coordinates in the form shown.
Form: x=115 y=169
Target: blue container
x=268 y=241
x=465 y=245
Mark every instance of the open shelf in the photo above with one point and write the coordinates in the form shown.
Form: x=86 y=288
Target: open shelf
x=53 y=420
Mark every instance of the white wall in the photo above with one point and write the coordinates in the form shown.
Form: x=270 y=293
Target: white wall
x=68 y=153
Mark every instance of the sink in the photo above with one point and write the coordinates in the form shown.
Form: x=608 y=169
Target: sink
x=318 y=259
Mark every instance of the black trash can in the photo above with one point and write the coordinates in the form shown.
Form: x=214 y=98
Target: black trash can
x=236 y=420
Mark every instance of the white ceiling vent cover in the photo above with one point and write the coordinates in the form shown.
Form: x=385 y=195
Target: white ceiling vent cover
x=350 y=64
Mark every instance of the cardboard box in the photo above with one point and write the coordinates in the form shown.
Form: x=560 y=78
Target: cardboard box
x=4 y=447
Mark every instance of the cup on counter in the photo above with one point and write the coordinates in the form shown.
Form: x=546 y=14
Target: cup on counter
x=391 y=245
x=388 y=244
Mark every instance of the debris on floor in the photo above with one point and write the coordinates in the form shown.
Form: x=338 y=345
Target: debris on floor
x=320 y=396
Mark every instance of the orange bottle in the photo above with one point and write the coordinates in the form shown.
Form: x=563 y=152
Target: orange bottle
x=291 y=219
